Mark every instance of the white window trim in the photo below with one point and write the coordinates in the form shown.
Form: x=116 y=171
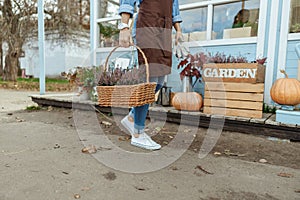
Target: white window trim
x=220 y=42
x=272 y=38
x=259 y=40
x=285 y=16
x=294 y=36
x=261 y=33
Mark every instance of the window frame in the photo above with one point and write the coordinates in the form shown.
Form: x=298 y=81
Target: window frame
x=259 y=39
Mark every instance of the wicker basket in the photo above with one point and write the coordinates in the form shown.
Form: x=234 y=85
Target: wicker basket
x=127 y=95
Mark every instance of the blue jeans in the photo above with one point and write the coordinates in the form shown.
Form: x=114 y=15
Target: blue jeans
x=139 y=113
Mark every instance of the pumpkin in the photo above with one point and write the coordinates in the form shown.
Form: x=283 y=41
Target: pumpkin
x=286 y=91
x=190 y=101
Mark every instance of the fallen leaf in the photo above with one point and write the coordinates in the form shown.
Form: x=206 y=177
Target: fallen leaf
x=85 y=189
x=89 y=149
x=286 y=175
x=104 y=148
x=297 y=191
x=50 y=108
x=20 y=120
x=228 y=153
x=140 y=188
x=263 y=161
x=76 y=196
x=106 y=124
x=174 y=168
x=217 y=153
x=206 y=172
x=125 y=138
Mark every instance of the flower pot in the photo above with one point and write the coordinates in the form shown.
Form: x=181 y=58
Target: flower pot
x=187 y=84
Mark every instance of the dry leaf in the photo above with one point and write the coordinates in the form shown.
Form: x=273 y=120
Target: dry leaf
x=76 y=196
x=263 y=161
x=174 y=168
x=106 y=124
x=286 y=175
x=89 y=149
x=20 y=120
x=85 y=189
x=217 y=153
x=228 y=153
x=50 y=108
x=206 y=172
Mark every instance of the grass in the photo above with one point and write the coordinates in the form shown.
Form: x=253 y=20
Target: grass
x=52 y=84
x=35 y=80
x=31 y=108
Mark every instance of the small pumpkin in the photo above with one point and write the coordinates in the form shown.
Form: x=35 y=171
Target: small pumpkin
x=286 y=91
x=190 y=101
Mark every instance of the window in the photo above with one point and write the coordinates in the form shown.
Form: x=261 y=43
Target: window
x=236 y=20
x=295 y=17
x=181 y=2
x=109 y=33
x=194 y=28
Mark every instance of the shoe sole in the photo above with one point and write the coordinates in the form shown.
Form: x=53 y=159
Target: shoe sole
x=145 y=147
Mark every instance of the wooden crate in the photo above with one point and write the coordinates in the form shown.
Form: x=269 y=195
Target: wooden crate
x=235 y=96
x=234 y=72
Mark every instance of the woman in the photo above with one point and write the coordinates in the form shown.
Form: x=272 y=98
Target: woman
x=241 y=19
x=152 y=33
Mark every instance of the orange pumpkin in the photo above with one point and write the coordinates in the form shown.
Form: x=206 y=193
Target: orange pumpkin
x=286 y=91
x=190 y=101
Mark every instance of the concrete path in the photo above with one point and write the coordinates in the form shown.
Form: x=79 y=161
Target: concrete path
x=41 y=158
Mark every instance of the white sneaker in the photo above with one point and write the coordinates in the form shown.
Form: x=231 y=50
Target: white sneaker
x=145 y=142
x=128 y=123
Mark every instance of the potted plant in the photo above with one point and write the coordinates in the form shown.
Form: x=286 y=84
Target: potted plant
x=85 y=79
x=191 y=68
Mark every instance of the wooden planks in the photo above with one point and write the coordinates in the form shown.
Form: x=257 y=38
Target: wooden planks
x=234 y=99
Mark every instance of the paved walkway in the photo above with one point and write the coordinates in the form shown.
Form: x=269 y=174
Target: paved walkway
x=41 y=158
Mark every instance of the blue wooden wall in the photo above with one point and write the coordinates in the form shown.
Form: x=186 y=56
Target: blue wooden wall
x=292 y=59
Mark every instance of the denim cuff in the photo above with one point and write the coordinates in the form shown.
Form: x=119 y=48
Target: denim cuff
x=177 y=18
x=139 y=129
x=126 y=8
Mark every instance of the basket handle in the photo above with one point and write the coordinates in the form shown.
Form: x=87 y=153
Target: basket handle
x=140 y=50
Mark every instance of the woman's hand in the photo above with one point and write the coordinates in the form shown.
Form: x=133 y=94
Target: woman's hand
x=178 y=37
x=125 y=38
x=180 y=50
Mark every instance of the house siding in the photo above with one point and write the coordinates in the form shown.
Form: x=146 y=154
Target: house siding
x=292 y=59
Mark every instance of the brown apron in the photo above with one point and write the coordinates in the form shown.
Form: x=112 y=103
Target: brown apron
x=154 y=35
